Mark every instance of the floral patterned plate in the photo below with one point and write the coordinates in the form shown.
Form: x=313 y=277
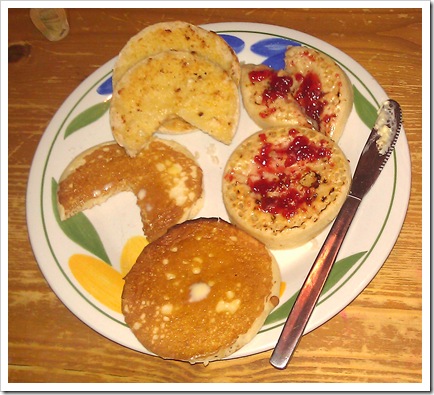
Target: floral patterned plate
x=84 y=258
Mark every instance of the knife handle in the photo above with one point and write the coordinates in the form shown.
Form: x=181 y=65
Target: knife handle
x=313 y=285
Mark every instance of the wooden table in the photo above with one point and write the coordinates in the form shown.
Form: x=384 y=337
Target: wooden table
x=377 y=338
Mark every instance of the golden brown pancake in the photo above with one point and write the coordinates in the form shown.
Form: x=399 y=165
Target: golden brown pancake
x=165 y=178
x=285 y=185
x=201 y=291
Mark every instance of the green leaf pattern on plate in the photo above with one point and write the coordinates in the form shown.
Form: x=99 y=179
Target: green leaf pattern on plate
x=365 y=110
x=87 y=117
x=339 y=269
x=79 y=229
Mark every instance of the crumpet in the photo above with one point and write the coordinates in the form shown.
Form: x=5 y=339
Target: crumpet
x=321 y=87
x=165 y=178
x=173 y=83
x=285 y=185
x=200 y=292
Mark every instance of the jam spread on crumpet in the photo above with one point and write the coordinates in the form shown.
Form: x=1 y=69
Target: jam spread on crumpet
x=279 y=185
x=306 y=90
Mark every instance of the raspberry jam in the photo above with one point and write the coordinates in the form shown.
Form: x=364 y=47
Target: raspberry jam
x=309 y=95
x=277 y=87
x=281 y=170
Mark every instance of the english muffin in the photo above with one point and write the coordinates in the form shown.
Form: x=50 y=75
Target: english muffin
x=283 y=185
x=321 y=87
x=181 y=36
x=164 y=177
x=268 y=100
x=173 y=83
x=201 y=291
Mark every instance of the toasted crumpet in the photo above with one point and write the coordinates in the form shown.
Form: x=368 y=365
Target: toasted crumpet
x=321 y=87
x=285 y=185
x=267 y=97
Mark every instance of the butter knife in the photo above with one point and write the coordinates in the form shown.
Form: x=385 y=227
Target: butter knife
x=376 y=152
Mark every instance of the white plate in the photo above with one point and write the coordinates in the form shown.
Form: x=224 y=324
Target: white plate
x=372 y=234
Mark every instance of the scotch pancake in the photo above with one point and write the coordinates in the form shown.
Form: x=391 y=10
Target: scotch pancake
x=321 y=87
x=285 y=185
x=173 y=83
x=268 y=100
x=165 y=179
x=201 y=291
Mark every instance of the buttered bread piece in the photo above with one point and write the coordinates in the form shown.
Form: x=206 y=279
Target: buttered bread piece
x=200 y=292
x=321 y=87
x=165 y=179
x=180 y=36
x=268 y=100
x=285 y=185
x=169 y=84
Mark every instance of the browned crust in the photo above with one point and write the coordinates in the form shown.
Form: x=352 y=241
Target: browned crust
x=240 y=276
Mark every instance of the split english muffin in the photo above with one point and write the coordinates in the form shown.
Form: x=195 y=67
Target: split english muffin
x=165 y=179
x=285 y=185
x=180 y=36
x=200 y=292
x=168 y=84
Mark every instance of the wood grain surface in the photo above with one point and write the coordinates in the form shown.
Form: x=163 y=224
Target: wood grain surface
x=376 y=339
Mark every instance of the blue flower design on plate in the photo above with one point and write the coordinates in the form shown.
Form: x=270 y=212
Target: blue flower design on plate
x=274 y=51
x=235 y=42
x=106 y=88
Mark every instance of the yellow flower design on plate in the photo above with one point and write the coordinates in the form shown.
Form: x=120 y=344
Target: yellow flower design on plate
x=104 y=282
x=101 y=280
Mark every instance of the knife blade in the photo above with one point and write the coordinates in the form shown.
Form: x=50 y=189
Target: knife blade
x=375 y=154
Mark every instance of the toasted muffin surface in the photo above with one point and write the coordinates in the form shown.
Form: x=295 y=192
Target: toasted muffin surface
x=165 y=179
x=173 y=83
x=181 y=36
x=321 y=87
x=284 y=185
x=201 y=291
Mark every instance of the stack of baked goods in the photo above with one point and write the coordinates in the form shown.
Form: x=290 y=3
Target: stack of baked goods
x=202 y=288
x=174 y=77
